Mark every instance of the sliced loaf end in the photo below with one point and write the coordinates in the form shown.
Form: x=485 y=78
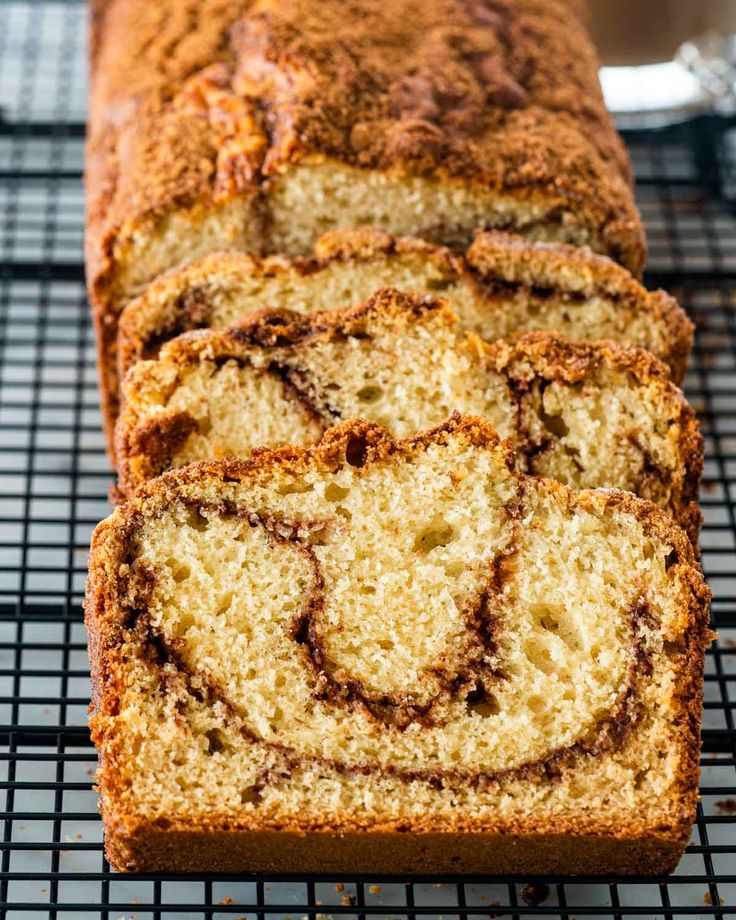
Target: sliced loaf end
x=394 y=646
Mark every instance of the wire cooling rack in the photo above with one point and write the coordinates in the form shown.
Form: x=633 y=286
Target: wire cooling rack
x=54 y=477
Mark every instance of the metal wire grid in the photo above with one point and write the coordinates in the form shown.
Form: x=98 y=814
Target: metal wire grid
x=53 y=482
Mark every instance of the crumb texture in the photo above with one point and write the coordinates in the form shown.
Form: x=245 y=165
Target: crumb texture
x=588 y=415
x=503 y=286
x=461 y=111
x=416 y=636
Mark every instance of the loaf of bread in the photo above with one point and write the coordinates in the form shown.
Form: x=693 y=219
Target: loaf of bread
x=394 y=656
x=588 y=414
x=260 y=125
x=503 y=285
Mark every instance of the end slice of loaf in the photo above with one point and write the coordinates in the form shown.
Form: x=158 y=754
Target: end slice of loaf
x=588 y=414
x=394 y=656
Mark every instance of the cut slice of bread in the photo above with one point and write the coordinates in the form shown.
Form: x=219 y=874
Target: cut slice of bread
x=504 y=285
x=381 y=656
x=588 y=414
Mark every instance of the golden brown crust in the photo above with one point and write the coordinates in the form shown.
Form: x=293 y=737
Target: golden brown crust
x=149 y=848
x=486 y=99
x=593 y=845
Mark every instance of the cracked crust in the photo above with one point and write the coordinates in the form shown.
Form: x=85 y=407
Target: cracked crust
x=486 y=83
x=500 y=273
x=462 y=841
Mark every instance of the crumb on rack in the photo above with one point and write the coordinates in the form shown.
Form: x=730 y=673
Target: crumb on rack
x=727 y=806
x=534 y=895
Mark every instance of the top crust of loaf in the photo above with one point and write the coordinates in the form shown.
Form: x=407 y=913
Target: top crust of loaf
x=195 y=102
x=111 y=600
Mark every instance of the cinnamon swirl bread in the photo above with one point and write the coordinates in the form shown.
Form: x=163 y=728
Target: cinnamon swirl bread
x=261 y=124
x=394 y=656
x=503 y=285
x=588 y=414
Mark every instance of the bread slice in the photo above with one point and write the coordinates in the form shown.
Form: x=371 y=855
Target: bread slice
x=503 y=285
x=394 y=656
x=587 y=414
x=262 y=125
